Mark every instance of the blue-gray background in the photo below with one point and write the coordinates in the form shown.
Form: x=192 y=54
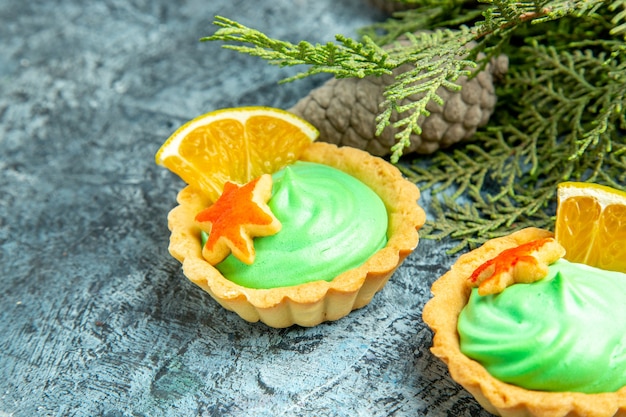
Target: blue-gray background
x=96 y=318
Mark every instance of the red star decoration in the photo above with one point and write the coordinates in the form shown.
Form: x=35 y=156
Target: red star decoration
x=240 y=214
x=525 y=263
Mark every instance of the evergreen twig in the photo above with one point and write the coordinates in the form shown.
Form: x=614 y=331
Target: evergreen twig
x=347 y=58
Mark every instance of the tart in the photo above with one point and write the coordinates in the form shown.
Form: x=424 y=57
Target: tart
x=451 y=294
x=314 y=302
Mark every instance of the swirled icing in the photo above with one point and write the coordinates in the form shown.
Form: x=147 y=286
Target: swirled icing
x=566 y=332
x=331 y=222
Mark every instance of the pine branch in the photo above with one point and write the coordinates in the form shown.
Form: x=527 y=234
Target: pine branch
x=568 y=125
x=442 y=53
x=346 y=58
x=588 y=114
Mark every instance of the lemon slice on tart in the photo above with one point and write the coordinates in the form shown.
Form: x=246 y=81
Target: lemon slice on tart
x=591 y=224
x=236 y=145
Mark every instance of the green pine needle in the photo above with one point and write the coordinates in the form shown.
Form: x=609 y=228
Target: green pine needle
x=347 y=58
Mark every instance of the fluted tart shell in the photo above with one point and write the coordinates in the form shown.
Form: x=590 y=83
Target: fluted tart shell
x=312 y=303
x=450 y=295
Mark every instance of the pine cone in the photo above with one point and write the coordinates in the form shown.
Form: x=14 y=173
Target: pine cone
x=344 y=110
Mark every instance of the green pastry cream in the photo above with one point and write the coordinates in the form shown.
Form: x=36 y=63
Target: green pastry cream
x=331 y=222
x=566 y=332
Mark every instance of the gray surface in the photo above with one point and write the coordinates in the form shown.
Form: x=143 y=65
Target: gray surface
x=97 y=318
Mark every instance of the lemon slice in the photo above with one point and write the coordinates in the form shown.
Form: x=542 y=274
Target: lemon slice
x=234 y=144
x=591 y=224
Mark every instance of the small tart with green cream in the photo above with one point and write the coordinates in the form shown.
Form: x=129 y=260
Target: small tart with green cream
x=330 y=222
x=550 y=341
x=347 y=221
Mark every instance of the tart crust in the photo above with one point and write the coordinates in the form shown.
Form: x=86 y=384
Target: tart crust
x=315 y=302
x=450 y=295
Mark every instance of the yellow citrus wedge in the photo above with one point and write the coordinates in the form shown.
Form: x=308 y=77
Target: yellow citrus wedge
x=234 y=144
x=591 y=224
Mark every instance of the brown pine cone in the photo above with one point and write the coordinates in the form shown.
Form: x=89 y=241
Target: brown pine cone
x=344 y=110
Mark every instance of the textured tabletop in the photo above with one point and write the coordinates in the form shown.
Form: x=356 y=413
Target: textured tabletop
x=97 y=319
